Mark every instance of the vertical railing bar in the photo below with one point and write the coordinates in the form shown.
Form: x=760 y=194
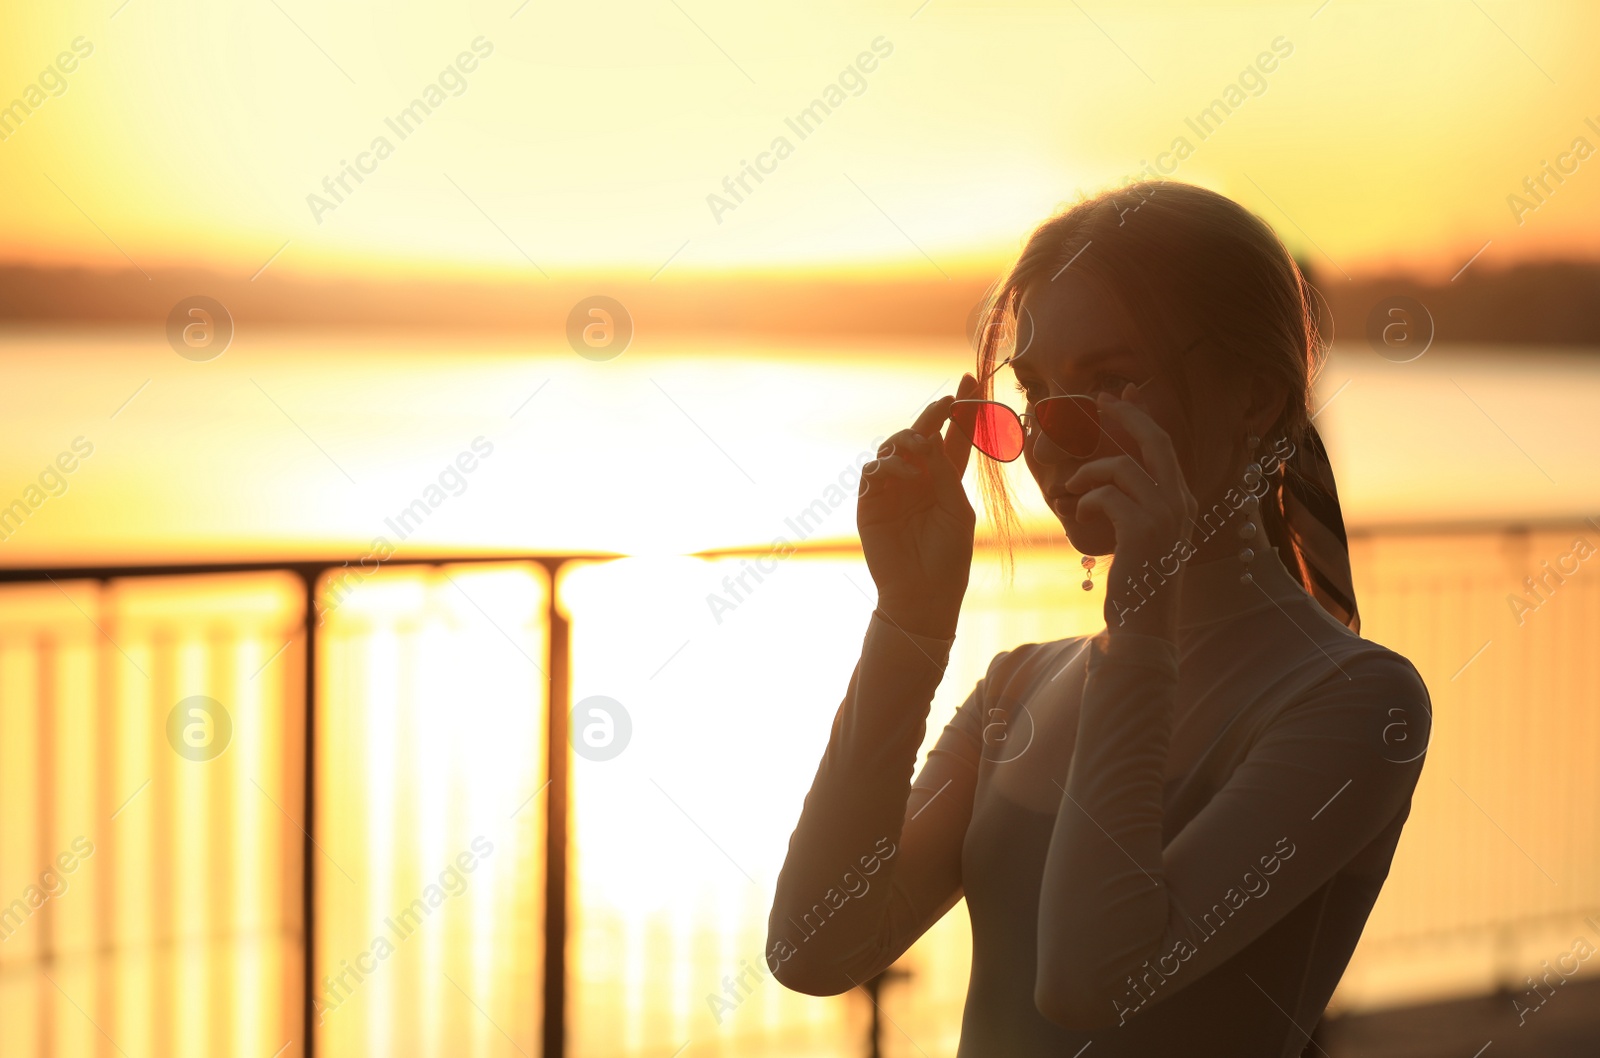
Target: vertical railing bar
x=45 y=775
x=110 y=722
x=308 y=893
x=557 y=664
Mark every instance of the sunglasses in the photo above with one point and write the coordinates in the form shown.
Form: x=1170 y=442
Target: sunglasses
x=1071 y=422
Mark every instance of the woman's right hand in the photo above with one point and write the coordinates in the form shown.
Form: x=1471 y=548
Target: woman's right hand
x=916 y=523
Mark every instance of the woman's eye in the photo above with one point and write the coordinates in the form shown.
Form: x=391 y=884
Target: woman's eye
x=1110 y=380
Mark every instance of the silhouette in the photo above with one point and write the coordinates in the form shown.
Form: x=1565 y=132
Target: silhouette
x=1169 y=833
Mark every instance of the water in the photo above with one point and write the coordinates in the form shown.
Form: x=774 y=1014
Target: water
x=295 y=442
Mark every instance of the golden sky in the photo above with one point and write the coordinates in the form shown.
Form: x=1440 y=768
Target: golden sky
x=585 y=136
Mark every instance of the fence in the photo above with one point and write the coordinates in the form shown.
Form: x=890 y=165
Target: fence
x=203 y=766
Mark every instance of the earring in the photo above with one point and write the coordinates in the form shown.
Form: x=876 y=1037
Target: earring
x=1252 y=508
x=1088 y=571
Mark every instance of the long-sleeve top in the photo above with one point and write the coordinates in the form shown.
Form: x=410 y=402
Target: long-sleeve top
x=1166 y=845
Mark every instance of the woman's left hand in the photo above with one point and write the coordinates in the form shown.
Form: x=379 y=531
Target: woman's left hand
x=1142 y=492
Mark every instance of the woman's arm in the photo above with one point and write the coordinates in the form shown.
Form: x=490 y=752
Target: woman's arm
x=1318 y=785
x=872 y=863
x=875 y=861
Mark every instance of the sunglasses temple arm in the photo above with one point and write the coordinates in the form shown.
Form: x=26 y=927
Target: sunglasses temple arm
x=990 y=373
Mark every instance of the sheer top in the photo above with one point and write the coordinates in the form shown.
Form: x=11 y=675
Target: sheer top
x=1162 y=843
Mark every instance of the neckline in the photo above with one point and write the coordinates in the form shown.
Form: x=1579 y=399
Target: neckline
x=1212 y=591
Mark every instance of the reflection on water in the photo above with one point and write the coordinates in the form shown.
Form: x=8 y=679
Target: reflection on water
x=295 y=442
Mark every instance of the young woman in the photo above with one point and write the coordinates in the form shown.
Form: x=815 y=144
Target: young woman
x=1169 y=833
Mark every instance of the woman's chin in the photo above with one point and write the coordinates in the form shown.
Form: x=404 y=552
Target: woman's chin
x=1096 y=536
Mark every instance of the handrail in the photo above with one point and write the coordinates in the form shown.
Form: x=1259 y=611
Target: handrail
x=558 y=775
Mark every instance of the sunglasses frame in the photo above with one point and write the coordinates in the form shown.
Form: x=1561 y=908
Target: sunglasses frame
x=1023 y=418
x=1029 y=423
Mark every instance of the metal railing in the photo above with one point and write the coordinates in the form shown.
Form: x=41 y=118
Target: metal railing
x=553 y=998
x=1441 y=603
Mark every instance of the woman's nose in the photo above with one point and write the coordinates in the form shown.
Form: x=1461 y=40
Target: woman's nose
x=1045 y=450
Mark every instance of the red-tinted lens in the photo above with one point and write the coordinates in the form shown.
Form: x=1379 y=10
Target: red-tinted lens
x=993 y=428
x=1073 y=423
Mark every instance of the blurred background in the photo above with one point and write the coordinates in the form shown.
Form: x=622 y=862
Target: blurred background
x=395 y=395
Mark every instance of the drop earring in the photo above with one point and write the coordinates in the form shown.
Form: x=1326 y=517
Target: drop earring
x=1088 y=571
x=1252 y=509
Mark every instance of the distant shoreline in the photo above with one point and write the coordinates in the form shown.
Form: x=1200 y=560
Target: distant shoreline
x=1543 y=303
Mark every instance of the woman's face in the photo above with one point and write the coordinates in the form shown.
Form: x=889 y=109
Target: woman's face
x=1084 y=341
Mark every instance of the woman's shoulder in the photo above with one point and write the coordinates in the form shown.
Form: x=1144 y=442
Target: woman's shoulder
x=1325 y=647
x=1368 y=691
x=1370 y=662
x=1012 y=670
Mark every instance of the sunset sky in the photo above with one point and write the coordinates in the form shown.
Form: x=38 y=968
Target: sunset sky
x=591 y=136
x=543 y=145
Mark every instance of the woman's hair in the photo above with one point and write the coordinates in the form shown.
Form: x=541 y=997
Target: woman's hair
x=1213 y=292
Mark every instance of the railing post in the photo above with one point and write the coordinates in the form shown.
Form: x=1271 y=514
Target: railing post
x=308 y=890
x=558 y=656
